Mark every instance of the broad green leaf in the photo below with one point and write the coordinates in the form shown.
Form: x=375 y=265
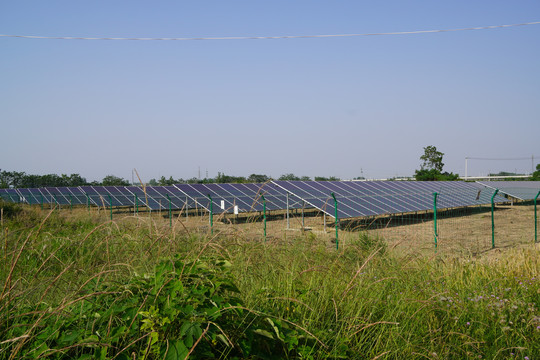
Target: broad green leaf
x=174 y=350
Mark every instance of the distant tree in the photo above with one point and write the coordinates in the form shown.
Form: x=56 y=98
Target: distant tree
x=432 y=159
x=76 y=180
x=432 y=165
x=153 y=182
x=256 y=178
x=322 y=178
x=111 y=180
x=435 y=175
x=227 y=179
x=11 y=179
x=292 y=177
x=536 y=175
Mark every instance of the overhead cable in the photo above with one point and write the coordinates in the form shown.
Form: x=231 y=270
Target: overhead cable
x=519 y=158
x=269 y=37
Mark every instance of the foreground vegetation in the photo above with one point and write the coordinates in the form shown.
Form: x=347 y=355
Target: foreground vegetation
x=76 y=286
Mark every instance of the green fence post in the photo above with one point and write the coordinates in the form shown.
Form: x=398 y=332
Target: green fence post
x=535 y=219
x=264 y=215
x=87 y=201
x=56 y=201
x=70 y=202
x=211 y=215
x=136 y=204
x=337 y=220
x=170 y=210
x=303 y=221
x=110 y=205
x=492 y=219
x=41 y=201
x=435 y=218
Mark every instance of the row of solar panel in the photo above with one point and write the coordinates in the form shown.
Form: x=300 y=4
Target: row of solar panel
x=245 y=197
x=370 y=198
x=522 y=190
x=355 y=199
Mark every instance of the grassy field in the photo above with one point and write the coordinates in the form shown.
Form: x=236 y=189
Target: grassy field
x=75 y=285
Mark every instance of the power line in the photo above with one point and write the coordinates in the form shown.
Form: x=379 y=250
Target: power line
x=270 y=37
x=520 y=158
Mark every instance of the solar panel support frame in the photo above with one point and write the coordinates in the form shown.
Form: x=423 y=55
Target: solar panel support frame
x=211 y=215
x=170 y=210
x=435 y=218
x=493 y=219
x=337 y=221
x=536 y=219
x=264 y=215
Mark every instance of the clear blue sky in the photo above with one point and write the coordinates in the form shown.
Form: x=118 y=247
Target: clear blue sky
x=315 y=107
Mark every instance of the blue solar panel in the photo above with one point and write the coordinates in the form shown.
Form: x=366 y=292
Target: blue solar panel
x=370 y=198
x=522 y=190
x=140 y=198
x=10 y=195
x=32 y=196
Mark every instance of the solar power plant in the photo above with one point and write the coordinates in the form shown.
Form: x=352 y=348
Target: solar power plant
x=107 y=196
x=10 y=195
x=79 y=195
x=32 y=196
x=224 y=197
x=372 y=198
x=144 y=199
x=178 y=200
x=247 y=197
x=522 y=190
x=276 y=198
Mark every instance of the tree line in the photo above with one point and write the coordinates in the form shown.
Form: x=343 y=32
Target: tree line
x=17 y=179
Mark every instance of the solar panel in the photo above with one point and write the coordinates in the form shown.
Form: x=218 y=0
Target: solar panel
x=370 y=198
x=522 y=190
x=10 y=195
x=32 y=195
x=177 y=198
x=100 y=196
x=141 y=198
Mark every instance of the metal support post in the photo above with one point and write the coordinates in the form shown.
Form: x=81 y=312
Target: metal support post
x=110 y=205
x=536 y=220
x=186 y=207
x=492 y=219
x=288 y=221
x=435 y=218
x=211 y=215
x=264 y=216
x=170 y=210
x=337 y=220
x=303 y=223
x=136 y=204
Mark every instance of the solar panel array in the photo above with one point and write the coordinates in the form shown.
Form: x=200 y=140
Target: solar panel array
x=225 y=197
x=355 y=198
x=522 y=190
x=371 y=198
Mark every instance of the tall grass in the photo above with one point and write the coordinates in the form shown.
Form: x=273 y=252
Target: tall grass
x=75 y=285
